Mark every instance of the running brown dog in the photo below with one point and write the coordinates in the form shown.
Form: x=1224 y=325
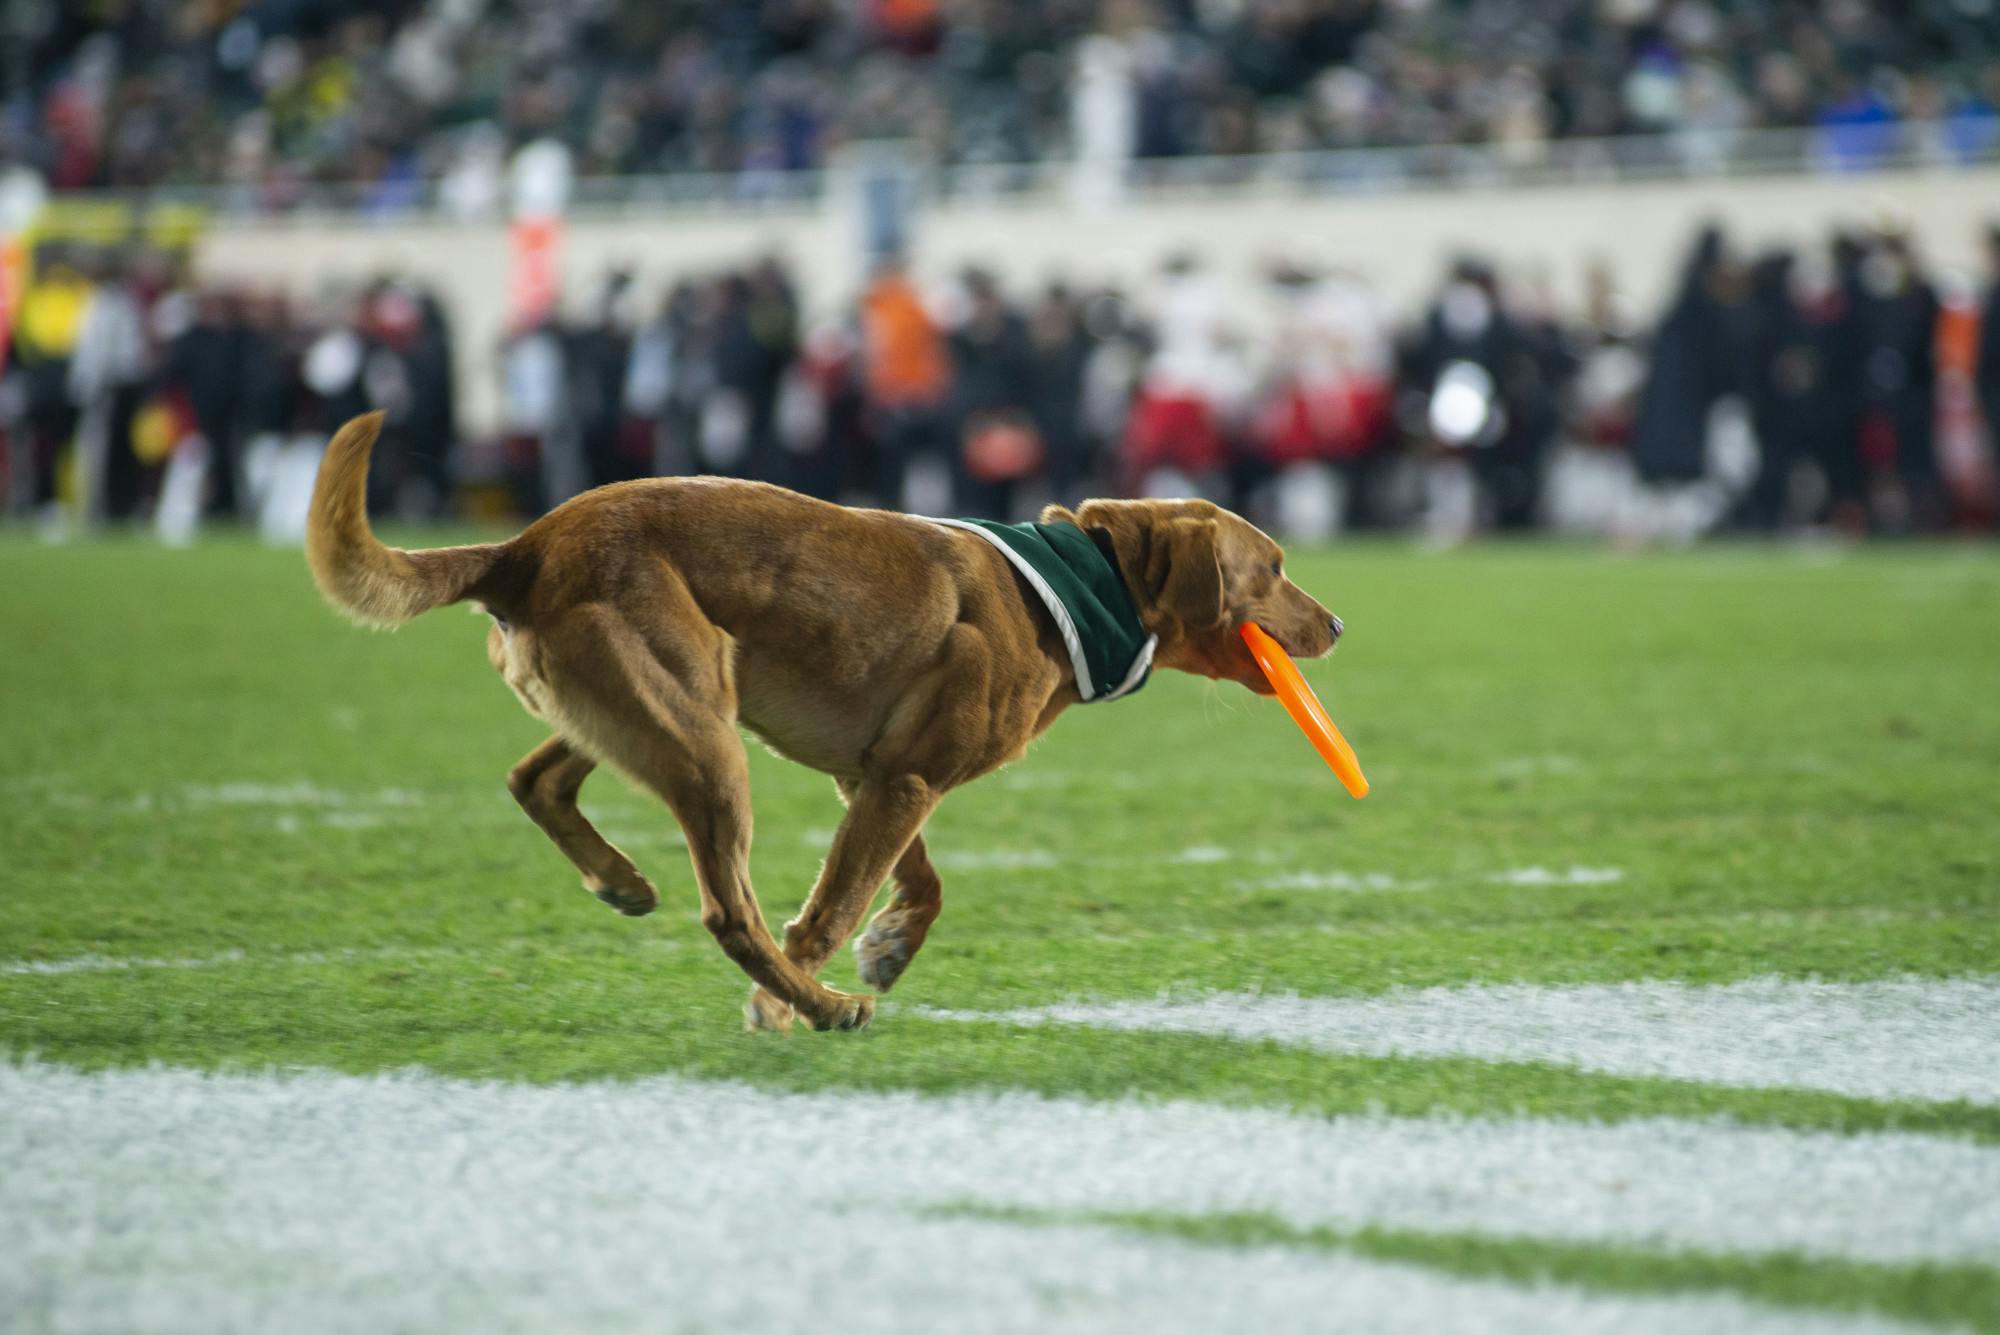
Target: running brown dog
x=644 y=621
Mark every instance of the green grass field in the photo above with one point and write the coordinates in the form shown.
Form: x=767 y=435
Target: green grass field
x=241 y=836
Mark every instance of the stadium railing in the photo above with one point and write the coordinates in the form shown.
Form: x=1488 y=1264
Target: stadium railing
x=1955 y=143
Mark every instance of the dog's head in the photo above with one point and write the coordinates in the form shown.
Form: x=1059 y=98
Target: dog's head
x=1196 y=573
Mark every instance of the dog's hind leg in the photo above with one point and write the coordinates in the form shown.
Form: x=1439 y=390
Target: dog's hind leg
x=883 y=817
x=664 y=713
x=546 y=783
x=896 y=933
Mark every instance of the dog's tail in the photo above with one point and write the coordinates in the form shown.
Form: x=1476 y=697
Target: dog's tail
x=374 y=584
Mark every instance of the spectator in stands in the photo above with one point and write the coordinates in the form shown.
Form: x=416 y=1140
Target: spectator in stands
x=1781 y=370
x=756 y=341
x=534 y=416
x=1696 y=373
x=1326 y=403
x=906 y=370
x=1465 y=373
x=656 y=414
x=1826 y=371
x=1058 y=355
x=279 y=100
x=998 y=442
x=205 y=364
x=46 y=328
x=108 y=378
x=597 y=356
x=434 y=406
x=1177 y=438
x=1899 y=321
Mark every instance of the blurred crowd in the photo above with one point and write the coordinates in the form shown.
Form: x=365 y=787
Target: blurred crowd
x=270 y=96
x=1841 y=387
x=128 y=392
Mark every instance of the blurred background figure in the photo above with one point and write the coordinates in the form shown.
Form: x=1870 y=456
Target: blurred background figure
x=1458 y=371
x=907 y=372
x=1177 y=435
x=1691 y=442
x=1000 y=443
x=1326 y=401
x=1987 y=372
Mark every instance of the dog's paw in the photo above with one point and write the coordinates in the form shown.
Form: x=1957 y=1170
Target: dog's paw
x=881 y=954
x=848 y=1012
x=634 y=898
x=764 y=1012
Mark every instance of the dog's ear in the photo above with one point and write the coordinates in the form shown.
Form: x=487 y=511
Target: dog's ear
x=1185 y=571
x=1173 y=561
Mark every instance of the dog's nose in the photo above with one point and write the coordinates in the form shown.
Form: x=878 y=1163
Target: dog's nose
x=1333 y=624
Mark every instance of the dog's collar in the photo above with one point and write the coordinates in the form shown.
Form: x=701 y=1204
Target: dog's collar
x=1079 y=583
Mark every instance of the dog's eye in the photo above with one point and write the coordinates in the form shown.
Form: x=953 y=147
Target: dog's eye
x=1278 y=569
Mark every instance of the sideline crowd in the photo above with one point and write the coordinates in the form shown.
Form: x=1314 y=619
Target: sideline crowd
x=1844 y=386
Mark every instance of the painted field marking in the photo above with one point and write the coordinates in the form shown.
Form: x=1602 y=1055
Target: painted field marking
x=296 y=794
x=1908 y=1038
x=1377 y=880
x=94 y=963
x=312 y=1201
x=994 y=859
x=1565 y=876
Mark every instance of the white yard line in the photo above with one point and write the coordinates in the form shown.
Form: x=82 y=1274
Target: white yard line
x=220 y=960
x=1922 y=1039
x=171 y=1201
x=298 y=794
x=994 y=859
x=1562 y=876
x=1378 y=880
x=1334 y=880
x=305 y=959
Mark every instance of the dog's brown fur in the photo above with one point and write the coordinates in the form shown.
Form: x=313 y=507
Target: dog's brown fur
x=644 y=621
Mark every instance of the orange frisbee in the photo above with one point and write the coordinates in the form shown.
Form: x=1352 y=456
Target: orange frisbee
x=1305 y=708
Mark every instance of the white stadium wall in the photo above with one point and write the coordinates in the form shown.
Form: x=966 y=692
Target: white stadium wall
x=1399 y=241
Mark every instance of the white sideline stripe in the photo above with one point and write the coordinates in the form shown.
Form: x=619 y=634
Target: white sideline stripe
x=175 y=1201
x=1908 y=1038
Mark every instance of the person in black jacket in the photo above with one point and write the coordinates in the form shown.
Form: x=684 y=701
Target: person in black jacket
x=598 y=355
x=1058 y=352
x=990 y=398
x=1900 y=317
x=1986 y=374
x=206 y=363
x=1697 y=360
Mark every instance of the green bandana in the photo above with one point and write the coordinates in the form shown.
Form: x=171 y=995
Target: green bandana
x=1109 y=650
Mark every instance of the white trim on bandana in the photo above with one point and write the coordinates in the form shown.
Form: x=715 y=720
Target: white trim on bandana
x=1142 y=663
x=1064 y=624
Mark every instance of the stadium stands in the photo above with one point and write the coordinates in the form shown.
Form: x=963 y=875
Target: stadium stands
x=391 y=95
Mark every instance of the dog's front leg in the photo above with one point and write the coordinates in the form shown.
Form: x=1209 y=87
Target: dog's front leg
x=897 y=932
x=883 y=818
